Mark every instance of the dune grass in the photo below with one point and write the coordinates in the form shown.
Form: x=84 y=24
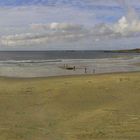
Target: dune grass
x=100 y=107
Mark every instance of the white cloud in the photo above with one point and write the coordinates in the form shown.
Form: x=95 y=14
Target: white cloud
x=24 y=16
x=66 y=32
x=65 y=25
x=57 y=26
x=128 y=25
x=58 y=32
x=125 y=27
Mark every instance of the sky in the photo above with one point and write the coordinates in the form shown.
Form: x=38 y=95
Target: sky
x=69 y=24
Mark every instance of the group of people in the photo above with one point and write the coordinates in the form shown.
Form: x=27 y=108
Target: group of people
x=94 y=71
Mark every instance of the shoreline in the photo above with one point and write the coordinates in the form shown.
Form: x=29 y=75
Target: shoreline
x=57 y=69
x=68 y=76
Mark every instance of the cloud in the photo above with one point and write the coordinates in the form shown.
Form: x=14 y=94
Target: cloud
x=114 y=2
x=57 y=26
x=68 y=25
x=54 y=2
x=58 y=32
x=127 y=27
x=66 y=32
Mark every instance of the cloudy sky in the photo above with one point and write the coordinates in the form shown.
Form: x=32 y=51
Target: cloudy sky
x=69 y=24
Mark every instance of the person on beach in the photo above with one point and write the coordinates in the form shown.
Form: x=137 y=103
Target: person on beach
x=94 y=71
x=74 y=68
x=85 y=70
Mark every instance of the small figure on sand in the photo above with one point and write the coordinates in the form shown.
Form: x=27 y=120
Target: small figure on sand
x=74 y=68
x=85 y=70
x=94 y=71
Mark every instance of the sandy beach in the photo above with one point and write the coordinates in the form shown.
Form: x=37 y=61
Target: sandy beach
x=91 y=107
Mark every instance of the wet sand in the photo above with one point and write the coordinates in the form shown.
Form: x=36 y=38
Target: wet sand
x=56 y=68
x=98 y=107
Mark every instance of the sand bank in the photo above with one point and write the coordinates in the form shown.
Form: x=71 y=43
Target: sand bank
x=71 y=108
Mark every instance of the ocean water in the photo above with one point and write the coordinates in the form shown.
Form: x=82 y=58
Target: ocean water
x=53 y=55
x=51 y=63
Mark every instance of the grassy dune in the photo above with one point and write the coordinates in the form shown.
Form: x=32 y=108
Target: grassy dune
x=100 y=107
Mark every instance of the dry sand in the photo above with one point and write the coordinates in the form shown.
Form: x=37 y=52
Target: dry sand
x=100 y=107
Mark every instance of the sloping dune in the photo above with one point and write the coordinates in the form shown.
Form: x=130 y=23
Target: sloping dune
x=99 y=107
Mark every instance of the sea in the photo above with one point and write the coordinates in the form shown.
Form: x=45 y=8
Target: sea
x=58 y=63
